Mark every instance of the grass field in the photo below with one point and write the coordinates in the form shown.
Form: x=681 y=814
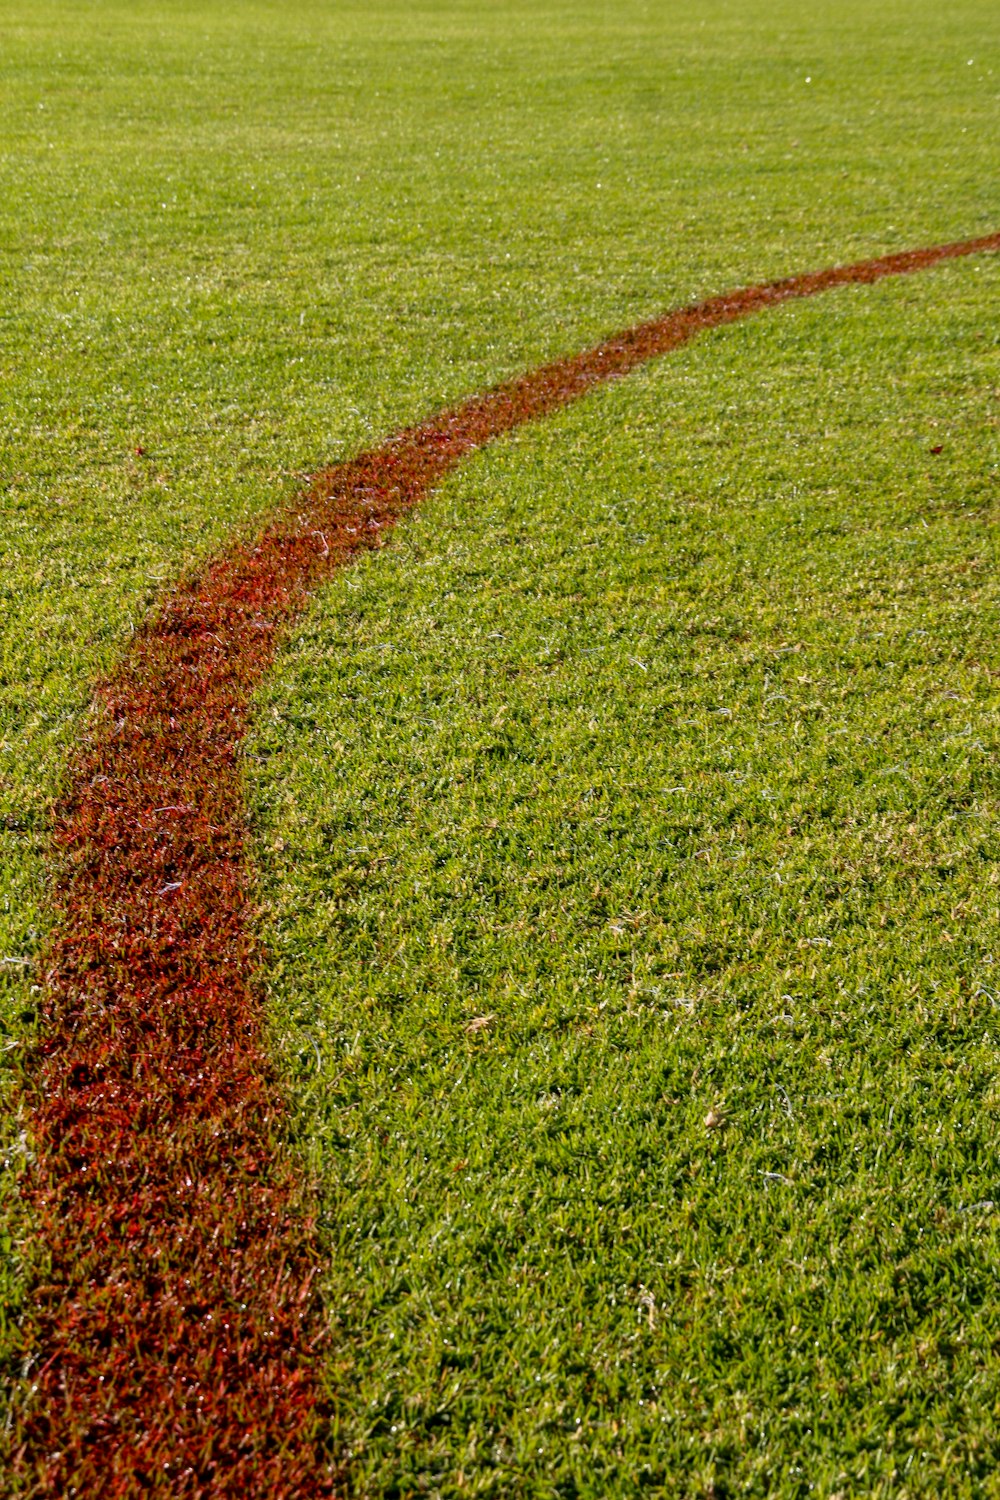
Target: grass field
x=630 y=836
x=514 y=967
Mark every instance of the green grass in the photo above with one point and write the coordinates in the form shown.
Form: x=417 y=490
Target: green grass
x=664 y=742
x=249 y=240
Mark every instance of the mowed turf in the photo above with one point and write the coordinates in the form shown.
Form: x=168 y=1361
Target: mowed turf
x=628 y=829
x=247 y=243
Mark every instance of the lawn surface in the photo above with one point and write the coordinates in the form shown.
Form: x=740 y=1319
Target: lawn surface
x=246 y=243
x=629 y=832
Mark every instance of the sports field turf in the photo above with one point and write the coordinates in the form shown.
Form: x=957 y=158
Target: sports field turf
x=647 y=779
x=629 y=830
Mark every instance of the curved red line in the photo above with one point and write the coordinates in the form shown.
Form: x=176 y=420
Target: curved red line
x=177 y=1322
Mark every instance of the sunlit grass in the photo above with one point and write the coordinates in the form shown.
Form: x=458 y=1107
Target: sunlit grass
x=628 y=830
x=237 y=242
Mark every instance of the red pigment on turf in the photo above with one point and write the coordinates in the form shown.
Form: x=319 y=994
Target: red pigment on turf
x=177 y=1325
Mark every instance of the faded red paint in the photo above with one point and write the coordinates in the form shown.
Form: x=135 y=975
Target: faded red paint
x=177 y=1325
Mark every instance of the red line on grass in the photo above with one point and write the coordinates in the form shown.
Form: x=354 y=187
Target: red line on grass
x=176 y=1326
